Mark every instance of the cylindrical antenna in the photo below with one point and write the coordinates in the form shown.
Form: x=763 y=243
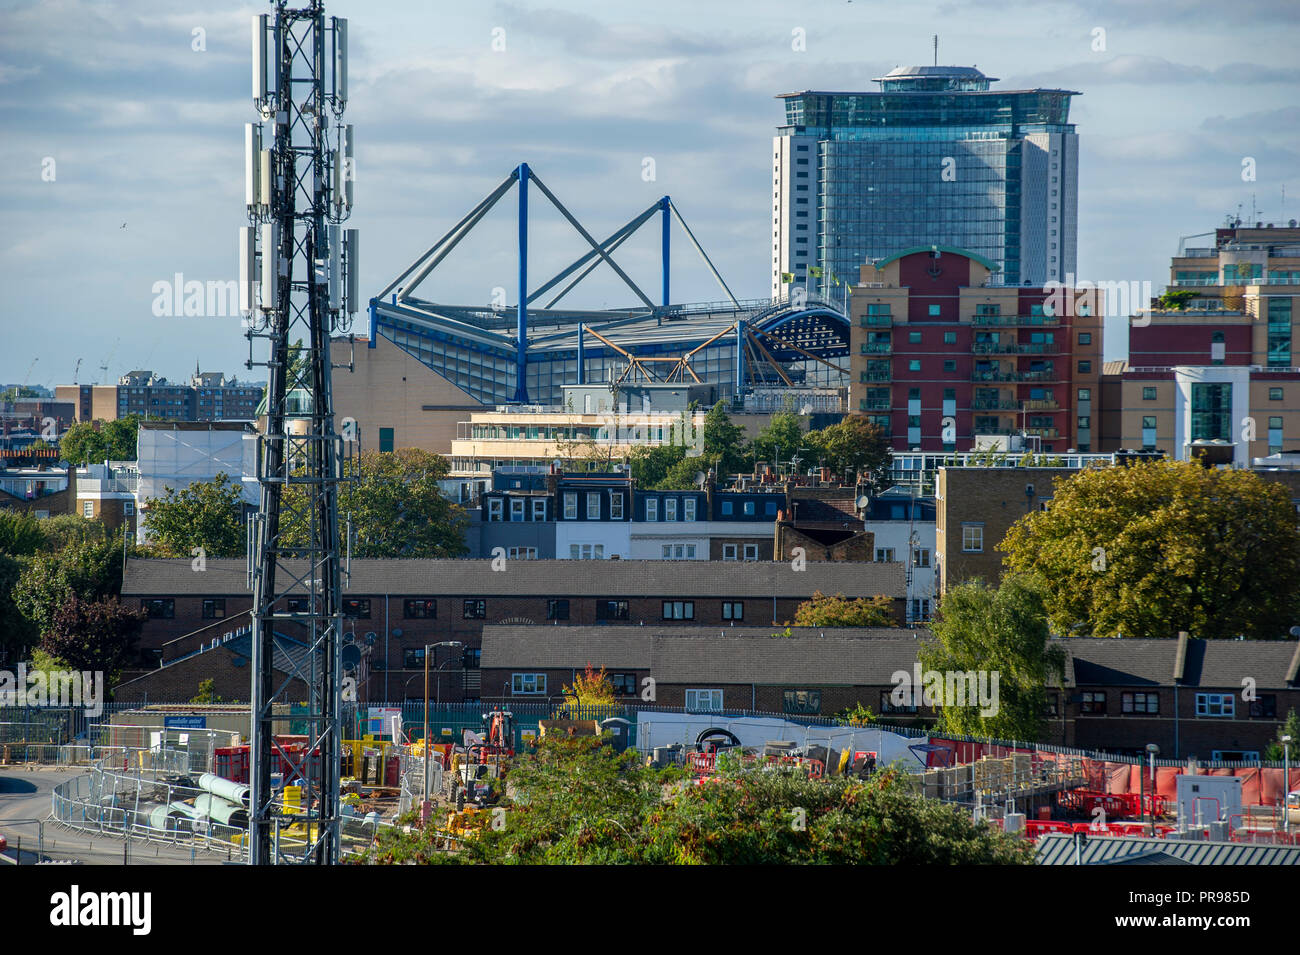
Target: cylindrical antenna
x=336 y=266
x=259 y=59
x=270 y=264
x=247 y=269
x=252 y=164
x=352 y=271
x=340 y=62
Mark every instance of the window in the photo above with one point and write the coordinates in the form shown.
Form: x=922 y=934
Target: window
x=420 y=608
x=570 y=506
x=1264 y=708
x=1093 y=703
x=950 y=364
x=751 y=552
x=586 y=552
x=88 y=509
x=950 y=338
x=972 y=538
x=1212 y=411
x=1085 y=394
x=475 y=609
x=670 y=508
x=1139 y=702
x=593 y=506
x=914 y=364
x=1085 y=367
x=1085 y=338
x=413 y=658
x=611 y=610
x=1215 y=705
x=728 y=551
x=914 y=338
x=887 y=704
x=528 y=684
x=1085 y=422
x=920 y=608
x=678 y=551
x=471 y=658
x=356 y=607
x=801 y=701
x=624 y=684
x=161 y=608
x=733 y=610
x=688 y=509
x=516 y=508
x=921 y=558
x=557 y=608
x=1148 y=432
x=704 y=701
x=934 y=311
x=539 y=509
x=652 y=509
x=299 y=604
x=521 y=553
x=884 y=555
x=1275 y=394
x=128 y=508
x=679 y=610
x=214 y=608
x=1149 y=393
x=494 y=508
x=616 y=506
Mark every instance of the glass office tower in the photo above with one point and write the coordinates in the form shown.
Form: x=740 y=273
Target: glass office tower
x=934 y=157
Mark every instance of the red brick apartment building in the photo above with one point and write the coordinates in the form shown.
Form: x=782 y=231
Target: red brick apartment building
x=934 y=335
x=394 y=608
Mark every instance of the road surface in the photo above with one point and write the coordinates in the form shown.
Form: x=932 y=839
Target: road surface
x=25 y=795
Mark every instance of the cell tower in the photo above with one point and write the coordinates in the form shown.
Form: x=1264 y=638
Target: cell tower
x=298 y=283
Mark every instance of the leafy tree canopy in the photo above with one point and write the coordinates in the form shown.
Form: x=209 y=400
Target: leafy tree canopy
x=207 y=514
x=86 y=443
x=1159 y=547
x=839 y=611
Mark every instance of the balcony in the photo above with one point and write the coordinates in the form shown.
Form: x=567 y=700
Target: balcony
x=876 y=376
x=989 y=404
x=1043 y=432
x=1041 y=404
x=874 y=405
x=1014 y=320
x=981 y=376
x=876 y=321
x=877 y=348
x=1015 y=348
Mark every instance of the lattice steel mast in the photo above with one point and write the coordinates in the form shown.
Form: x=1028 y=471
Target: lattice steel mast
x=298 y=283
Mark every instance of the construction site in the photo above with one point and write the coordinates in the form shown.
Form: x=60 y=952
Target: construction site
x=178 y=777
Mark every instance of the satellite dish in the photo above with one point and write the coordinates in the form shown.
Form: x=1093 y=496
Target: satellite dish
x=397 y=631
x=863 y=502
x=349 y=637
x=351 y=655
x=700 y=478
x=371 y=637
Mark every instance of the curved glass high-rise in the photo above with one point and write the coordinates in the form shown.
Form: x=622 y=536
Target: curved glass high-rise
x=934 y=157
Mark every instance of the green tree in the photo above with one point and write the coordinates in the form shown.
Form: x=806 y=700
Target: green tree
x=1000 y=631
x=591 y=688
x=1274 y=752
x=821 y=610
x=89 y=570
x=207 y=514
x=779 y=439
x=18 y=391
x=396 y=506
x=94 y=635
x=681 y=476
x=86 y=443
x=1156 y=548
x=63 y=530
x=16 y=630
x=724 y=442
x=651 y=463
x=1177 y=299
x=20 y=534
x=207 y=693
x=854 y=446
x=574 y=800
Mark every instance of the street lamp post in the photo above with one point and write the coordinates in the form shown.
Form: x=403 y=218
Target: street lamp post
x=1152 y=751
x=424 y=809
x=1286 y=784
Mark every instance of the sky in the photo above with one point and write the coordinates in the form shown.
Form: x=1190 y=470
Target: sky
x=121 y=142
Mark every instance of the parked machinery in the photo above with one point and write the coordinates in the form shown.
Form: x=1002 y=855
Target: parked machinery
x=478 y=774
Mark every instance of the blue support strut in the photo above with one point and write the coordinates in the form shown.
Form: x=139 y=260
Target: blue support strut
x=582 y=356
x=521 y=324
x=665 y=205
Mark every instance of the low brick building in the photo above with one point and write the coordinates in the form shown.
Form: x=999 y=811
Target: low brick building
x=396 y=607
